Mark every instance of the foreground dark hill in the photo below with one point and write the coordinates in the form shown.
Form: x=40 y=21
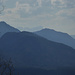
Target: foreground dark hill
x=29 y=50
x=38 y=71
x=57 y=37
x=4 y=28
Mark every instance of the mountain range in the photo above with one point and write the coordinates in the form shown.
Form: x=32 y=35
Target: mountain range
x=42 y=52
x=4 y=28
x=31 y=50
x=49 y=34
x=56 y=36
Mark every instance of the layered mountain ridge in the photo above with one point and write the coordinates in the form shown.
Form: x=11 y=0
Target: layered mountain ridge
x=56 y=36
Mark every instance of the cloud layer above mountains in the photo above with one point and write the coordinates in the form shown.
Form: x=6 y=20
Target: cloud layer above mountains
x=56 y=14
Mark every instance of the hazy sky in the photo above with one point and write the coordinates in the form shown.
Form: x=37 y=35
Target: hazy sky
x=36 y=14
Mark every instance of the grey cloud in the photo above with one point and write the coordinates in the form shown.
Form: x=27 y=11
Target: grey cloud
x=69 y=3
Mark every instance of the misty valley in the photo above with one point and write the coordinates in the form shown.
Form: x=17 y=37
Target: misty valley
x=43 y=52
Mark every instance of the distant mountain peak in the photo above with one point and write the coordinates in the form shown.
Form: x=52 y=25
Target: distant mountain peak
x=4 y=28
x=2 y=22
x=52 y=31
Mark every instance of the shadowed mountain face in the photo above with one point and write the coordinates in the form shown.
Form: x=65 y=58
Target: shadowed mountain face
x=30 y=50
x=57 y=37
x=4 y=28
